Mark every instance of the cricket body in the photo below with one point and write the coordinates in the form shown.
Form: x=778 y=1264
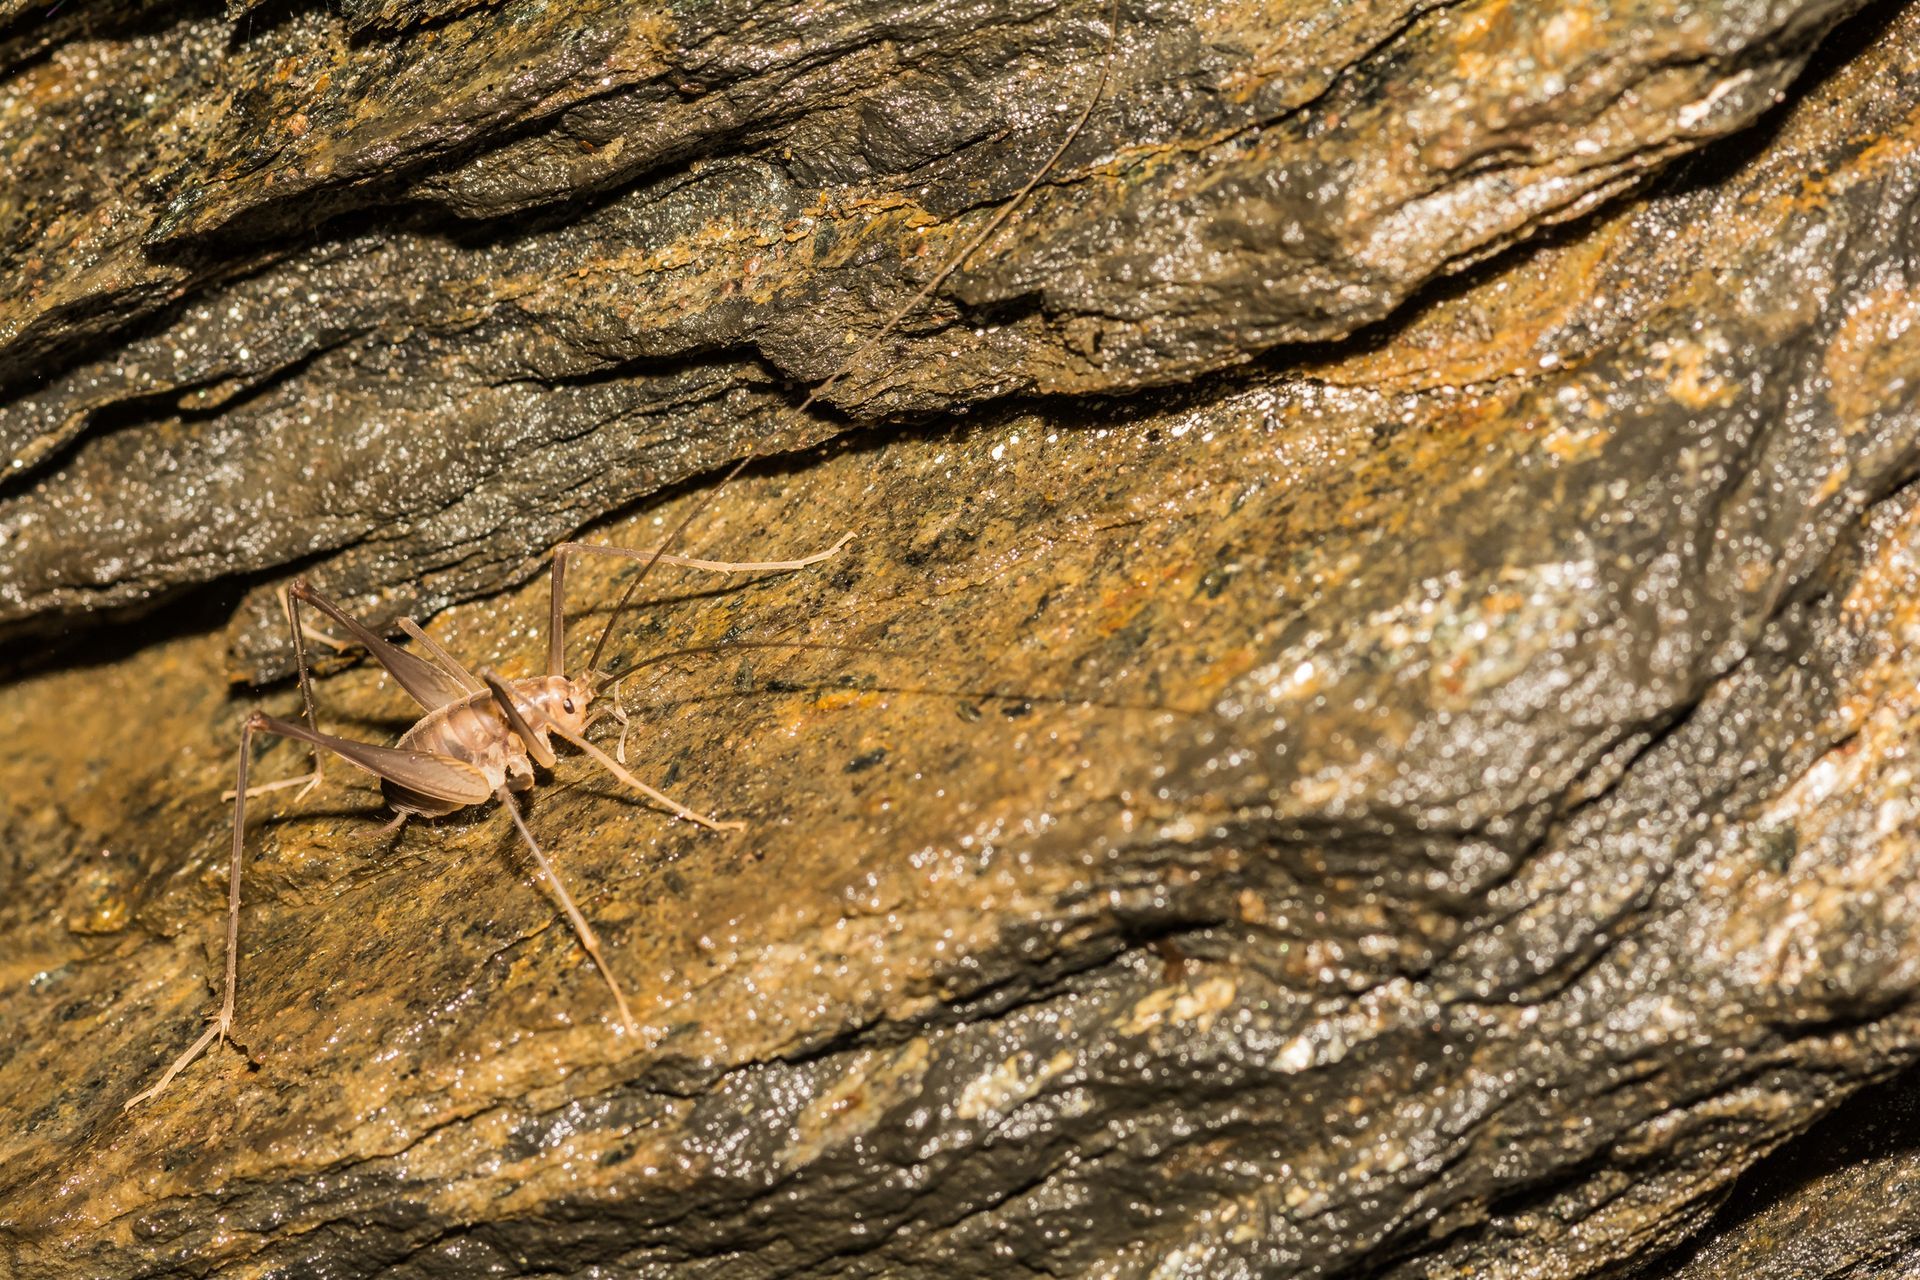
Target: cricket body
x=482 y=738
x=476 y=730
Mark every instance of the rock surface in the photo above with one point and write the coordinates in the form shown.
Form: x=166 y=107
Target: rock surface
x=407 y=298
x=1834 y=1202
x=1433 y=801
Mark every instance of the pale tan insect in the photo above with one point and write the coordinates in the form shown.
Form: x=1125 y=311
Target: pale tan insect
x=482 y=737
x=479 y=740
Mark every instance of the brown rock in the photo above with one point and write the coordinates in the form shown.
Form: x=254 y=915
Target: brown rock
x=1438 y=803
x=403 y=225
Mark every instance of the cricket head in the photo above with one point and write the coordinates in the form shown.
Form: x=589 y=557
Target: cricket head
x=564 y=701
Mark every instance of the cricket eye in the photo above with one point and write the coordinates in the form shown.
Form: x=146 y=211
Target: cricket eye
x=567 y=706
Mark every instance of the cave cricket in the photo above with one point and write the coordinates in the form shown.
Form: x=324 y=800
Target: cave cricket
x=482 y=736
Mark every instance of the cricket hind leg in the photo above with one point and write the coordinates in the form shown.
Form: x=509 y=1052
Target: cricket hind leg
x=223 y=1021
x=432 y=682
x=425 y=681
x=306 y=781
x=581 y=929
x=454 y=782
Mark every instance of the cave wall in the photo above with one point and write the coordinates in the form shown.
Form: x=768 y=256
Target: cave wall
x=1365 y=727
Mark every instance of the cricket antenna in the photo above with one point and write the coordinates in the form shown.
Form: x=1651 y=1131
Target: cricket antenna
x=886 y=330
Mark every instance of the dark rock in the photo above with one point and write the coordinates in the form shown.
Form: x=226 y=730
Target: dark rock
x=1436 y=803
x=770 y=184
x=1833 y=1202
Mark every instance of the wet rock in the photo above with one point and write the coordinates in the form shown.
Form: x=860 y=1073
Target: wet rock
x=1433 y=804
x=1829 y=1203
x=244 y=254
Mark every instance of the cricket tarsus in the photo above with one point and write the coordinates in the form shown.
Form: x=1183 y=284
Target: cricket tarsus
x=481 y=736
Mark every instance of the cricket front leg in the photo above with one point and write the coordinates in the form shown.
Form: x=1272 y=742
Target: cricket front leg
x=711 y=566
x=545 y=722
x=667 y=802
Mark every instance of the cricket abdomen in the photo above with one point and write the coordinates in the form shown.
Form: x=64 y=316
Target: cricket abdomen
x=471 y=730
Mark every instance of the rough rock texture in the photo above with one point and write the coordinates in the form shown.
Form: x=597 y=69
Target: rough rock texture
x=1834 y=1202
x=407 y=296
x=1435 y=801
